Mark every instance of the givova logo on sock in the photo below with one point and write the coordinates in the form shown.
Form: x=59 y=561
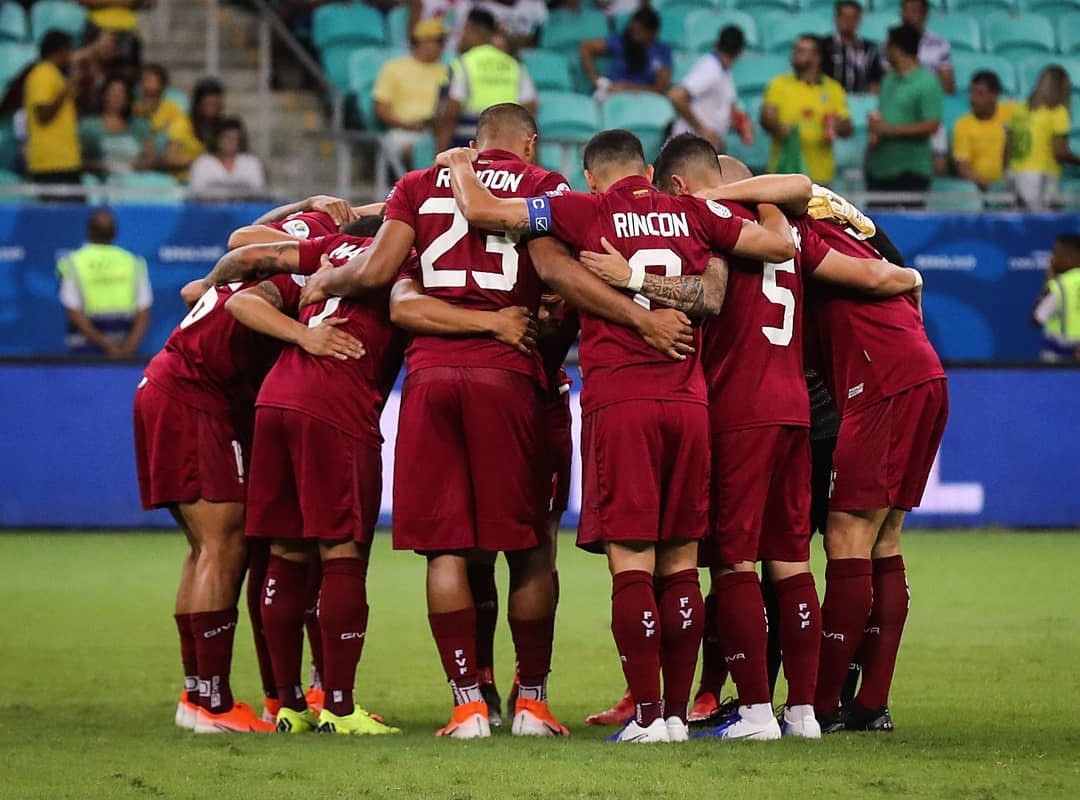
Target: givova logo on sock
x=649 y=622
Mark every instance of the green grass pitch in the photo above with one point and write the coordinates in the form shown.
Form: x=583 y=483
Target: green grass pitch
x=985 y=699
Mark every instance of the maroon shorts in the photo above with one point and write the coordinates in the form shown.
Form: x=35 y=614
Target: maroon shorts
x=884 y=452
x=558 y=450
x=645 y=473
x=311 y=480
x=183 y=454
x=759 y=496
x=468 y=460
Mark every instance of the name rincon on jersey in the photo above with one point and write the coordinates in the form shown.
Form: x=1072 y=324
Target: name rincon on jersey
x=495 y=179
x=656 y=223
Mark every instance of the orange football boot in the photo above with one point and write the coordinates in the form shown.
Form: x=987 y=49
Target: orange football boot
x=618 y=714
x=534 y=718
x=241 y=718
x=468 y=721
x=271 y=705
x=316 y=699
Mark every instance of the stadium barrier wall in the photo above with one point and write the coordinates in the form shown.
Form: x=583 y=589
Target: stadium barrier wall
x=66 y=452
x=983 y=271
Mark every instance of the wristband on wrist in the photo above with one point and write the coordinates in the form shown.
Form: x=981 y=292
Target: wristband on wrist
x=636 y=281
x=918 y=278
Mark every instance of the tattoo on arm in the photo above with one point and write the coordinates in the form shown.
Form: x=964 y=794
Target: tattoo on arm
x=234 y=266
x=269 y=292
x=683 y=292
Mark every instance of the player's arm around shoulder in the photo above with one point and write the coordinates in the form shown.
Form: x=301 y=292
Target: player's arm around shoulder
x=791 y=192
x=769 y=240
x=872 y=277
x=255 y=260
x=478 y=205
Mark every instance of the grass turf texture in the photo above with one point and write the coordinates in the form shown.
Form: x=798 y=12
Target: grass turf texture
x=984 y=700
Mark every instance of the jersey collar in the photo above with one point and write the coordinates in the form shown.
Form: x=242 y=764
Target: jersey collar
x=632 y=183
x=495 y=154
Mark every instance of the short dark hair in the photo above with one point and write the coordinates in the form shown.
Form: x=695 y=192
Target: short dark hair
x=55 y=41
x=159 y=70
x=226 y=124
x=731 y=40
x=365 y=226
x=647 y=18
x=1070 y=241
x=501 y=116
x=101 y=226
x=906 y=38
x=924 y=3
x=614 y=146
x=848 y=3
x=482 y=18
x=814 y=40
x=989 y=79
x=678 y=153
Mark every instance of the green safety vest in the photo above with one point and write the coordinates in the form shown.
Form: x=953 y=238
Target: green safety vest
x=108 y=277
x=1064 y=325
x=491 y=75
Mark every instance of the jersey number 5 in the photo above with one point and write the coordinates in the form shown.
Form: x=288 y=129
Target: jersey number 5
x=781 y=296
x=437 y=276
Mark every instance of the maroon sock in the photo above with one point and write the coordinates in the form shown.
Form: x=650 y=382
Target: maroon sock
x=635 y=623
x=881 y=640
x=486 y=601
x=311 y=621
x=343 y=617
x=214 y=632
x=532 y=645
x=800 y=635
x=188 y=658
x=455 y=636
x=258 y=558
x=713 y=669
x=740 y=611
x=849 y=593
x=283 y=621
x=682 y=622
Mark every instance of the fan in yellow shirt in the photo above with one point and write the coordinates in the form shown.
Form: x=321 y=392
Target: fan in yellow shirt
x=1039 y=140
x=168 y=121
x=979 y=137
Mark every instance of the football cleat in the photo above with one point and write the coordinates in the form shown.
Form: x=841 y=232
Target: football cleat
x=632 y=733
x=800 y=722
x=710 y=710
x=851 y=684
x=241 y=718
x=875 y=720
x=271 y=705
x=834 y=722
x=315 y=698
x=755 y=723
x=186 y=713
x=358 y=723
x=292 y=721
x=468 y=721
x=490 y=692
x=678 y=731
x=618 y=714
x=534 y=718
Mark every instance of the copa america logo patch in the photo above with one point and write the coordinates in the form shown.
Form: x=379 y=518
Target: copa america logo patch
x=720 y=210
x=297 y=228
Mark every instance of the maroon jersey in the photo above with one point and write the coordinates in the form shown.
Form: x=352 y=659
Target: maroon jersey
x=214 y=363
x=869 y=348
x=469 y=267
x=347 y=394
x=752 y=351
x=656 y=233
x=306 y=225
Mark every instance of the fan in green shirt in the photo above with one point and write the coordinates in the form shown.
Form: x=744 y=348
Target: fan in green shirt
x=115 y=141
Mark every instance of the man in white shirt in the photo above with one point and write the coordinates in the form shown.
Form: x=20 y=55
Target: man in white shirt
x=705 y=99
x=935 y=52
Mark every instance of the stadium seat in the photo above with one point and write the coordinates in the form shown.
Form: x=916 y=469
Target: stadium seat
x=565 y=159
x=1051 y=9
x=565 y=30
x=352 y=24
x=780 y=30
x=967 y=64
x=363 y=67
x=567 y=115
x=753 y=72
x=962 y=31
x=681 y=63
x=165 y=189
x=893 y=7
x=820 y=5
x=1069 y=34
x=46 y=15
x=673 y=22
x=860 y=106
x=1030 y=67
x=13 y=23
x=702 y=28
x=850 y=151
x=548 y=69
x=644 y=113
x=335 y=60
x=875 y=25
x=397 y=27
x=789 y=6
x=660 y=5
x=14 y=58
x=980 y=8
x=1006 y=35
x=953 y=194
x=180 y=97
x=423 y=152
x=954 y=107
x=9 y=183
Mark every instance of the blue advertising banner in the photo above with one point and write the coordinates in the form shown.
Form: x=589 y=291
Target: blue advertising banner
x=983 y=271
x=66 y=452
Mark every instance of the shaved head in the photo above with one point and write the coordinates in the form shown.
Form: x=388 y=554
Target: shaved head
x=507 y=126
x=733 y=170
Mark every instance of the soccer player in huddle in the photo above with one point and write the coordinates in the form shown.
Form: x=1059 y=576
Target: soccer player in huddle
x=639 y=408
x=466 y=465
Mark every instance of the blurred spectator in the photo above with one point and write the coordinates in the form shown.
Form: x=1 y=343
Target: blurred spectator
x=639 y=62
x=106 y=293
x=176 y=145
x=807 y=104
x=1056 y=309
x=228 y=170
x=52 y=149
x=116 y=142
x=706 y=99
x=935 y=52
x=406 y=89
x=908 y=115
x=978 y=143
x=207 y=109
x=852 y=61
x=1039 y=140
x=482 y=76
x=119 y=17
x=517 y=21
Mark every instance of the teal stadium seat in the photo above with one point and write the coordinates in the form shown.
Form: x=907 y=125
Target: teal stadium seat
x=363 y=67
x=753 y=72
x=753 y=6
x=565 y=159
x=660 y=5
x=1018 y=36
x=1031 y=66
x=46 y=15
x=967 y=64
x=1069 y=34
x=953 y=194
x=14 y=58
x=980 y=8
x=859 y=107
x=645 y=113
x=335 y=61
x=756 y=155
x=423 y=152
x=875 y=25
x=9 y=182
x=702 y=28
x=180 y=97
x=567 y=115
x=893 y=8
x=397 y=27
x=954 y=107
x=961 y=30
x=165 y=189
x=850 y=151
x=14 y=26
x=353 y=24
x=673 y=22
x=681 y=63
x=565 y=30
x=548 y=69
x=1051 y=9
x=820 y=5
x=780 y=30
